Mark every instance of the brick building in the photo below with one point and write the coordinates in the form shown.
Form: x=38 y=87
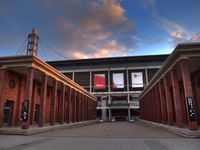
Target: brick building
x=33 y=92
x=173 y=95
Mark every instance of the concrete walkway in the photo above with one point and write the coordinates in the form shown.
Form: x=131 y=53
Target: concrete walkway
x=112 y=130
x=102 y=136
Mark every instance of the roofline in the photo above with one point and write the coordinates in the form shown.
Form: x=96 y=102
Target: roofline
x=107 y=58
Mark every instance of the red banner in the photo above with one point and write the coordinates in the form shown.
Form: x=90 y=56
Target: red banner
x=99 y=81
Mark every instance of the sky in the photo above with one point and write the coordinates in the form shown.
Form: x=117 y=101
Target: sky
x=81 y=29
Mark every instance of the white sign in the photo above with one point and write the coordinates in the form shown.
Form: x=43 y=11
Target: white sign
x=137 y=79
x=118 y=80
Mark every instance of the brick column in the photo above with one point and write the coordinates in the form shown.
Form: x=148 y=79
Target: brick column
x=72 y=102
x=177 y=100
x=83 y=103
x=158 y=103
x=69 y=105
x=19 y=100
x=188 y=93
x=152 y=105
x=81 y=108
x=28 y=93
x=32 y=115
x=155 y=105
x=74 y=106
x=77 y=106
x=163 y=102
x=53 y=102
x=87 y=115
x=168 y=96
x=43 y=100
x=62 y=104
x=147 y=101
x=2 y=79
x=85 y=108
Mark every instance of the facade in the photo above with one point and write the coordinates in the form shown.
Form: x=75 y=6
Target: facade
x=173 y=95
x=116 y=82
x=34 y=93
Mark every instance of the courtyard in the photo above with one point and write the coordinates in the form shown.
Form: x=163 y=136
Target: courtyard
x=104 y=136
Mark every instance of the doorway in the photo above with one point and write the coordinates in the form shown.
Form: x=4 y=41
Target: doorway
x=7 y=113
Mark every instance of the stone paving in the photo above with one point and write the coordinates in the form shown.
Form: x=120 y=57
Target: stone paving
x=103 y=136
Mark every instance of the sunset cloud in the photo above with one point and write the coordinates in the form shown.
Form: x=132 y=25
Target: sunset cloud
x=97 y=32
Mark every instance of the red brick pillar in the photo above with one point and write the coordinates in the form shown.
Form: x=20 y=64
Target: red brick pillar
x=20 y=100
x=32 y=115
x=2 y=81
x=188 y=93
x=158 y=103
x=69 y=113
x=144 y=107
x=152 y=106
x=93 y=114
x=148 y=108
x=177 y=100
x=43 y=100
x=62 y=104
x=168 y=96
x=87 y=110
x=77 y=106
x=155 y=104
x=28 y=93
x=74 y=106
x=53 y=102
x=163 y=102
x=72 y=102
x=83 y=107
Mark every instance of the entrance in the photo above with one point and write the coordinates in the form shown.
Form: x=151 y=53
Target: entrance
x=7 y=113
x=120 y=114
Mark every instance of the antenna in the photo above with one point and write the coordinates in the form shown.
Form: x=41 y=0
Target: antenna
x=32 y=46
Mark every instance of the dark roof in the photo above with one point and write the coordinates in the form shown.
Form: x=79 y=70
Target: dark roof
x=111 y=60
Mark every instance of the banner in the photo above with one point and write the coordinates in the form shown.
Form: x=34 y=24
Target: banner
x=118 y=80
x=99 y=81
x=137 y=79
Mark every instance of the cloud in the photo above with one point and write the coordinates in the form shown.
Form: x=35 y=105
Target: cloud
x=176 y=32
x=76 y=28
x=96 y=29
x=195 y=38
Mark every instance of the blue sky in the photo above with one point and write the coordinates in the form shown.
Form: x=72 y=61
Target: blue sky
x=98 y=28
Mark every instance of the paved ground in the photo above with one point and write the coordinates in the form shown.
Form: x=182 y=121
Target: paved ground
x=112 y=130
x=105 y=136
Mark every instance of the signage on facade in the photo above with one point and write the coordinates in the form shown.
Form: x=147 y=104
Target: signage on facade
x=118 y=80
x=99 y=81
x=191 y=111
x=137 y=79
